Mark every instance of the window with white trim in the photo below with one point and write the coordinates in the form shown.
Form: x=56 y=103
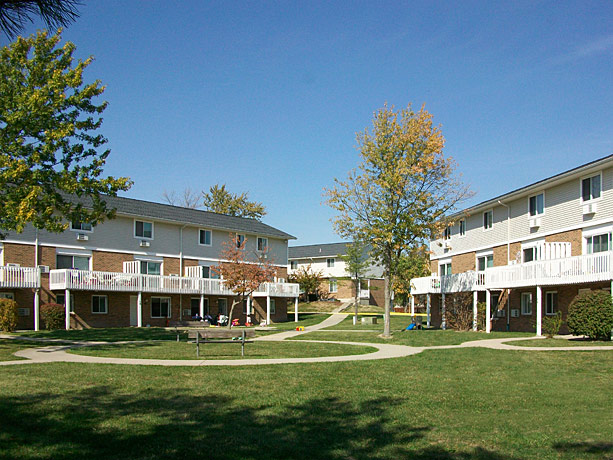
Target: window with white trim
x=537 y=204
x=148 y=267
x=143 y=229
x=447 y=233
x=100 y=304
x=333 y=285
x=488 y=219
x=240 y=239
x=484 y=262
x=590 y=188
x=551 y=302
x=262 y=244
x=72 y=261
x=222 y=306
x=205 y=237
x=445 y=269
x=330 y=263
x=81 y=226
x=160 y=307
x=273 y=306
x=529 y=254
x=462 y=227
x=598 y=243
x=526 y=303
x=293 y=265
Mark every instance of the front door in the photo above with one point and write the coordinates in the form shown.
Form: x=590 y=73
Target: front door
x=195 y=306
x=133 y=310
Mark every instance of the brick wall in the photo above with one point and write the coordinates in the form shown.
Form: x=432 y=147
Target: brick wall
x=463 y=262
x=22 y=254
x=434 y=267
x=573 y=237
x=109 y=261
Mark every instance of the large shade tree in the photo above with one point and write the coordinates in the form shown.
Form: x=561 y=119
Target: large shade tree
x=221 y=200
x=14 y=14
x=401 y=191
x=49 y=145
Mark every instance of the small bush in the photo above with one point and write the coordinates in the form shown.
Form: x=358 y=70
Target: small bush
x=552 y=325
x=53 y=316
x=8 y=315
x=591 y=314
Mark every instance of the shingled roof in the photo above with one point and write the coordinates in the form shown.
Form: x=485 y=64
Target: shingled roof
x=165 y=212
x=317 y=250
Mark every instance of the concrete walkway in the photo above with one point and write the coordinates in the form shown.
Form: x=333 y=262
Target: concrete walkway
x=59 y=352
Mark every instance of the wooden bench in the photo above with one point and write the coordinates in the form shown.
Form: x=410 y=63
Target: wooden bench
x=186 y=324
x=218 y=335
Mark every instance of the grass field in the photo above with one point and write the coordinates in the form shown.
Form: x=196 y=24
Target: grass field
x=256 y=350
x=456 y=404
x=563 y=343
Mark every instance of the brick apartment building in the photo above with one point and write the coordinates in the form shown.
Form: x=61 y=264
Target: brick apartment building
x=150 y=265
x=526 y=253
x=326 y=258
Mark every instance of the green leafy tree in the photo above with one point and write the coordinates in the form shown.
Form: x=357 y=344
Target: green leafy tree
x=308 y=279
x=48 y=139
x=357 y=262
x=55 y=13
x=401 y=191
x=414 y=264
x=220 y=200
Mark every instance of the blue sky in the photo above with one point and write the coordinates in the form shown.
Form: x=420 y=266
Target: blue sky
x=267 y=96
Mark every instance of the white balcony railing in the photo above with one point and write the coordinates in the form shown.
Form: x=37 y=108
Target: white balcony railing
x=19 y=277
x=569 y=270
x=135 y=282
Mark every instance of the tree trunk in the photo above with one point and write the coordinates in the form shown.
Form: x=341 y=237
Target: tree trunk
x=234 y=304
x=388 y=301
x=357 y=296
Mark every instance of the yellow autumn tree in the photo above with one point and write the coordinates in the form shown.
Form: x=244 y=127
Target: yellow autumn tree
x=401 y=191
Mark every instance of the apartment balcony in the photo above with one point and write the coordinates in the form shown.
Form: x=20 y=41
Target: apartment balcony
x=19 y=277
x=588 y=268
x=84 y=280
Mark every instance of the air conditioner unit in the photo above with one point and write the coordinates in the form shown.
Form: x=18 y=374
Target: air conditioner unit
x=13 y=265
x=589 y=208
x=174 y=274
x=82 y=237
x=535 y=222
x=44 y=268
x=145 y=244
x=446 y=245
x=515 y=313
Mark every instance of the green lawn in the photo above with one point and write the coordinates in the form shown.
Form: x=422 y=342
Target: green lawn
x=397 y=323
x=319 y=306
x=459 y=404
x=562 y=343
x=8 y=347
x=256 y=350
x=423 y=338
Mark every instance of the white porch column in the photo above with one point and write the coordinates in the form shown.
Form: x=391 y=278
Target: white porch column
x=37 y=310
x=539 y=310
x=249 y=309
x=488 y=311
x=296 y=309
x=267 y=310
x=67 y=309
x=475 y=302
x=412 y=305
x=443 y=322
x=428 y=310
x=202 y=305
x=139 y=310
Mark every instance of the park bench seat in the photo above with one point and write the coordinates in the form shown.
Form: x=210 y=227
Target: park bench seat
x=219 y=335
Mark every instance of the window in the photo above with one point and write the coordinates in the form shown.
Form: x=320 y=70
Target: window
x=7 y=295
x=529 y=254
x=222 y=306
x=273 y=306
x=81 y=226
x=244 y=307
x=551 y=303
x=143 y=229
x=160 y=307
x=99 y=304
x=330 y=263
x=598 y=243
x=590 y=188
x=462 y=227
x=240 y=240
x=74 y=262
x=485 y=262
x=537 y=204
x=447 y=233
x=262 y=244
x=526 y=303
x=205 y=238
x=150 y=268
x=488 y=220
x=293 y=265
x=333 y=286
x=446 y=269
x=61 y=299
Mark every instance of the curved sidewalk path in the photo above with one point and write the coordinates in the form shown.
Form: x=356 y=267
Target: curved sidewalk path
x=59 y=353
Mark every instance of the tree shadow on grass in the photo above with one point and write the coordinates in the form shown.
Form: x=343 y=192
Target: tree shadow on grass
x=588 y=447
x=101 y=423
